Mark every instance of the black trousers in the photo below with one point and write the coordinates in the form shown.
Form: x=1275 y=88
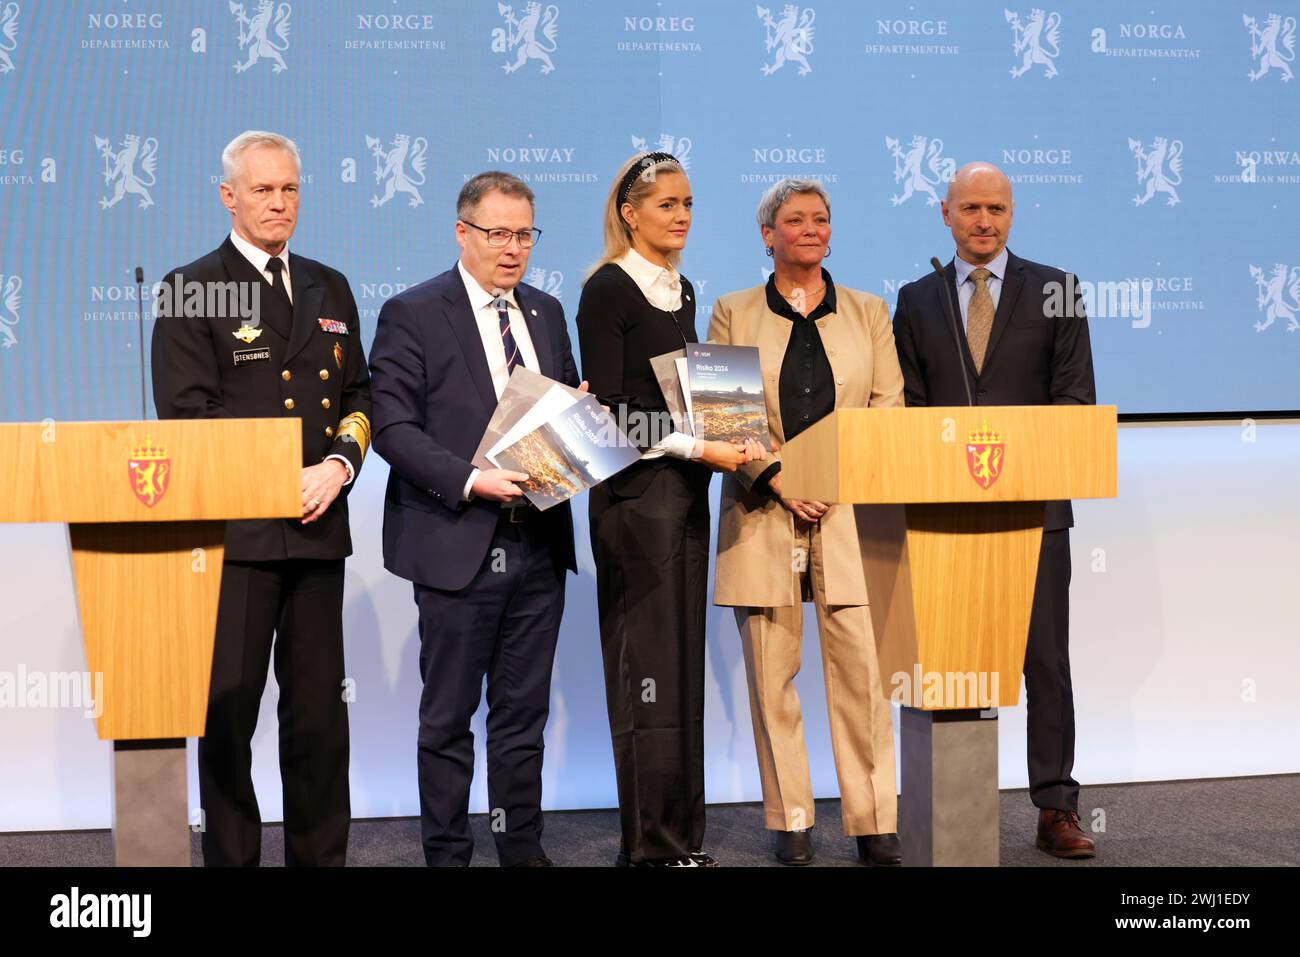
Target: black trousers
x=1048 y=691
x=502 y=625
x=652 y=565
x=298 y=604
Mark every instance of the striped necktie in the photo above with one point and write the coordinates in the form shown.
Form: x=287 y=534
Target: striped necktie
x=507 y=337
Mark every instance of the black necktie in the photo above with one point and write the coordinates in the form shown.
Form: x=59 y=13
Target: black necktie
x=274 y=265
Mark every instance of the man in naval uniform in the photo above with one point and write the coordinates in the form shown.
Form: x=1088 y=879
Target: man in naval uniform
x=298 y=354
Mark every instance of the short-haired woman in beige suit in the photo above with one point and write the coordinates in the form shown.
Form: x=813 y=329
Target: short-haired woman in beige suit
x=821 y=347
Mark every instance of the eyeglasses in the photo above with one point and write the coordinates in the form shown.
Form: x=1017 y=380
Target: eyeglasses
x=501 y=237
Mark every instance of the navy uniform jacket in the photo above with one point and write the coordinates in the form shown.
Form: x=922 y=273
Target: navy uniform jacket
x=296 y=368
x=433 y=398
x=1031 y=359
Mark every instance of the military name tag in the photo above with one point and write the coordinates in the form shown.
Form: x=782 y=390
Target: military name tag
x=334 y=326
x=251 y=355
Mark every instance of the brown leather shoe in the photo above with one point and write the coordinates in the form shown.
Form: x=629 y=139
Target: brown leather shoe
x=1060 y=835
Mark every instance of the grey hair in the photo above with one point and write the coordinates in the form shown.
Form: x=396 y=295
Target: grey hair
x=476 y=187
x=778 y=193
x=249 y=139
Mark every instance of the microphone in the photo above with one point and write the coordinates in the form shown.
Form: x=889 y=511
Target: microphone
x=139 y=291
x=952 y=320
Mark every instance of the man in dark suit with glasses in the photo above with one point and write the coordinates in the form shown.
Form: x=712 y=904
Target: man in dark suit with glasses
x=488 y=569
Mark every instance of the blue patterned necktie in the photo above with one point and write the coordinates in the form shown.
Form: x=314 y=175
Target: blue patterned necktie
x=507 y=337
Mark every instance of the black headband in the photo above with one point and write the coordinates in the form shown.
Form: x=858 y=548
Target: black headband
x=639 y=167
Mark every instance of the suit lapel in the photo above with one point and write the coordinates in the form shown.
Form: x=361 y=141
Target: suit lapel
x=460 y=316
x=1012 y=282
x=270 y=313
x=950 y=277
x=536 y=323
x=773 y=339
x=307 y=298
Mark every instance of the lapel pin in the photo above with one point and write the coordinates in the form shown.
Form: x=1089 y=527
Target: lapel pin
x=246 y=333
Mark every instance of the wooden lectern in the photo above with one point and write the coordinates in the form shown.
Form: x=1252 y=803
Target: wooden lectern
x=145 y=504
x=950 y=519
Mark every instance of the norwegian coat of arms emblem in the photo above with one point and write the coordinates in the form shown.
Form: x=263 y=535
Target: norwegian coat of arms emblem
x=984 y=454
x=150 y=472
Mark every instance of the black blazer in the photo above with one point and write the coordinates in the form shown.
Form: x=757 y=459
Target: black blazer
x=433 y=399
x=619 y=332
x=293 y=360
x=1031 y=359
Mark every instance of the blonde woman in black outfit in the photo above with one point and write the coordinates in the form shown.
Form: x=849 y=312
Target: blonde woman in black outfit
x=650 y=523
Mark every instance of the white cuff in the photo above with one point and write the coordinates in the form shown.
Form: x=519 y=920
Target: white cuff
x=468 y=494
x=677 y=444
x=346 y=464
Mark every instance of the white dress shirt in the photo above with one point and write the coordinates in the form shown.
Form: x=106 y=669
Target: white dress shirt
x=259 y=258
x=662 y=288
x=484 y=306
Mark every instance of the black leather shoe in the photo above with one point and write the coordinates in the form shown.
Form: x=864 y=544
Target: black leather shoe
x=880 y=850
x=537 y=860
x=695 y=859
x=794 y=848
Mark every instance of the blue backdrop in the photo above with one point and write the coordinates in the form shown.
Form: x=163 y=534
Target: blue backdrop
x=1090 y=107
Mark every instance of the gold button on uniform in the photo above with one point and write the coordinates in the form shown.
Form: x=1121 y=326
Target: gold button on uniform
x=329 y=431
x=286 y=375
x=324 y=374
x=288 y=403
x=324 y=403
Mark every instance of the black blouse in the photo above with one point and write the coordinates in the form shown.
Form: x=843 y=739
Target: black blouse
x=807 y=388
x=619 y=332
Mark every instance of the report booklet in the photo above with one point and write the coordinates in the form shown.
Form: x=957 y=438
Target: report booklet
x=574 y=449
x=725 y=393
x=523 y=392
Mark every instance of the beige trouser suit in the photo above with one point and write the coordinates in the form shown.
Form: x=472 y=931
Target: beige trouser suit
x=766 y=567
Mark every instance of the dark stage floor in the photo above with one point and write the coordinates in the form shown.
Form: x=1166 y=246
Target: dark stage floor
x=1237 y=821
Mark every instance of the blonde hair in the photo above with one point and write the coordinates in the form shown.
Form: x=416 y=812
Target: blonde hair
x=618 y=234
